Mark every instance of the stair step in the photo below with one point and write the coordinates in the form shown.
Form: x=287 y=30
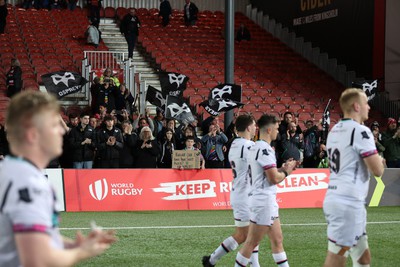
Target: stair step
x=150 y=76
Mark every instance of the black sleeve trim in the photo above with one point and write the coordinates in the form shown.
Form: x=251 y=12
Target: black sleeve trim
x=3 y=201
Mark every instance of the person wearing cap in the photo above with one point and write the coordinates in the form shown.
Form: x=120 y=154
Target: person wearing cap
x=391 y=142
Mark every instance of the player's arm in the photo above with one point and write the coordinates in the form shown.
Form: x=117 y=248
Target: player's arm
x=35 y=249
x=375 y=164
x=276 y=176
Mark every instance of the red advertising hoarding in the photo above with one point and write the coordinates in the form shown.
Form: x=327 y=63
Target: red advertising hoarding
x=168 y=189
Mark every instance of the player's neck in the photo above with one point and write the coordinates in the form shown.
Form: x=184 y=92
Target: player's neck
x=353 y=117
x=30 y=155
x=265 y=138
x=244 y=135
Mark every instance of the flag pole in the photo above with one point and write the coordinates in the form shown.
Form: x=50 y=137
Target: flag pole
x=325 y=128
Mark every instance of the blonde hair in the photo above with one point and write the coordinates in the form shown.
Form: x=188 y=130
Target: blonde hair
x=23 y=108
x=349 y=97
x=145 y=128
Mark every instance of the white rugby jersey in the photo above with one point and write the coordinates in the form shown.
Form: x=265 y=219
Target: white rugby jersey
x=27 y=204
x=261 y=157
x=238 y=159
x=347 y=144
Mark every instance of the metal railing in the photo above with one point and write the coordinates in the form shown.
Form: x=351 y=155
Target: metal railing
x=106 y=59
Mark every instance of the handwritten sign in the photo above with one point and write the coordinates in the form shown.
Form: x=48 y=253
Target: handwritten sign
x=186 y=159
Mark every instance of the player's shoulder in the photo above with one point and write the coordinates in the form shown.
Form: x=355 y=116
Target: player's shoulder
x=363 y=132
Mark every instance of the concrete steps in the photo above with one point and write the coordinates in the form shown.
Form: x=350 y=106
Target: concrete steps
x=115 y=41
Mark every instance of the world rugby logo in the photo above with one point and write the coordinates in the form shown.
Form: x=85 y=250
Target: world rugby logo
x=99 y=189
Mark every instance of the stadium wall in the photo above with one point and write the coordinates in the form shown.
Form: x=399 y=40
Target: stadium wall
x=342 y=28
x=170 y=189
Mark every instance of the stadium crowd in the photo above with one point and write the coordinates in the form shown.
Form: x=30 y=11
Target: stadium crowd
x=112 y=134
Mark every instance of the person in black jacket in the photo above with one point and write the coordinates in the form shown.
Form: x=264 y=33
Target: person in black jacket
x=190 y=11
x=109 y=144
x=243 y=33
x=14 y=78
x=167 y=147
x=130 y=28
x=165 y=12
x=146 y=149
x=82 y=141
x=126 y=159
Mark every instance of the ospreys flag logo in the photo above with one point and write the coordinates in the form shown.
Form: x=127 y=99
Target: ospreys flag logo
x=179 y=110
x=173 y=83
x=63 y=83
x=155 y=97
x=369 y=87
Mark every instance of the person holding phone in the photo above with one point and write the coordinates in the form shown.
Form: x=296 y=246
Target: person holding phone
x=147 y=149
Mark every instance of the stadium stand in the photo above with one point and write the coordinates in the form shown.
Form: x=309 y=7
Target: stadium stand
x=274 y=78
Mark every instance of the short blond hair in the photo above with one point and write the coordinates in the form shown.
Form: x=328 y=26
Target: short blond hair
x=349 y=97
x=21 y=110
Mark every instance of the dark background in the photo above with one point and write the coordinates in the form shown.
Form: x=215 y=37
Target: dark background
x=347 y=37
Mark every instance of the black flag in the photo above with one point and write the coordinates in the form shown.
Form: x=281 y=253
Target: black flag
x=155 y=97
x=63 y=83
x=179 y=110
x=173 y=83
x=326 y=118
x=369 y=87
x=216 y=105
x=227 y=91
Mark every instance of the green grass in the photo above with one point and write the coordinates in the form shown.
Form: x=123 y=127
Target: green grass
x=156 y=246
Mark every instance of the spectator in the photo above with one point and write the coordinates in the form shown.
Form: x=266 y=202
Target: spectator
x=82 y=140
x=142 y=121
x=94 y=92
x=129 y=144
x=27 y=4
x=188 y=131
x=14 y=78
x=108 y=74
x=72 y=4
x=205 y=125
x=311 y=145
x=94 y=7
x=92 y=34
x=323 y=161
x=292 y=142
x=375 y=127
x=93 y=121
x=124 y=99
x=165 y=12
x=190 y=11
x=146 y=149
x=56 y=4
x=378 y=144
x=109 y=144
x=3 y=15
x=213 y=144
x=171 y=125
x=189 y=145
x=66 y=156
x=130 y=28
x=243 y=33
x=159 y=121
x=167 y=146
x=107 y=93
x=391 y=142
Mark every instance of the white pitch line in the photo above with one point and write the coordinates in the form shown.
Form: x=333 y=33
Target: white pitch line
x=203 y=226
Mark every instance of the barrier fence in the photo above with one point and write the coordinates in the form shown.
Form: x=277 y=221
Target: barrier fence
x=169 y=189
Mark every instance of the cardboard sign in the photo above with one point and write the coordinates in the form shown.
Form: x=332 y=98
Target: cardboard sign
x=186 y=159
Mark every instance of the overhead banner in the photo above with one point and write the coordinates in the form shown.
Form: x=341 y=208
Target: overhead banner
x=168 y=189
